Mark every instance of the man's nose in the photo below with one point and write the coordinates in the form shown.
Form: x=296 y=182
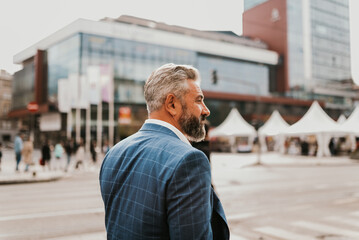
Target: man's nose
x=205 y=110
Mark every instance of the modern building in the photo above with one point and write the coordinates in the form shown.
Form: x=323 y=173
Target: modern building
x=252 y=3
x=312 y=37
x=8 y=126
x=87 y=78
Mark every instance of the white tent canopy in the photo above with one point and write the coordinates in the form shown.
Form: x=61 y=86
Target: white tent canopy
x=341 y=119
x=316 y=122
x=352 y=123
x=272 y=127
x=233 y=125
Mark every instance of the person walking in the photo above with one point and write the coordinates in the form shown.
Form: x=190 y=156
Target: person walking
x=69 y=149
x=154 y=184
x=80 y=155
x=205 y=145
x=46 y=154
x=58 y=151
x=18 y=145
x=106 y=147
x=27 y=153
x=93 y=151
x=0 y=154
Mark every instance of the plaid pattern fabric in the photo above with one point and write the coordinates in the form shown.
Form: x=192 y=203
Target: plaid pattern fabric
x=154 y=186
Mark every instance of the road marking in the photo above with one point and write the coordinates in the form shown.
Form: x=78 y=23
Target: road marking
x=282 y=234
x=326 y=228
x=236 y=237
x=345 y=201
x=240 y=216
x=348 y=221
x=52 y=214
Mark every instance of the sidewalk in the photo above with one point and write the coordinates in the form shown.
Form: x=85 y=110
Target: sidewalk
x=240 y=160
x=36 y=172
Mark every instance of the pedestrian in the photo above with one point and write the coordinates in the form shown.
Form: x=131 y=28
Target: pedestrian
x=0 y=154
x=304 y=145
x=27 y=151
x=93 y=151
x=80 y=154
x=46 y=154
x=18 y=145
x=58 y=151
x=106 y=147
x=68 y=150
x=154 y=184
x=205 y=145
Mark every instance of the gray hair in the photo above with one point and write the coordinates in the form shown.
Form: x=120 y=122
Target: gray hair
x=169 y=78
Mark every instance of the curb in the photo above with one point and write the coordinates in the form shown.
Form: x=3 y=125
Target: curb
x=18 y=179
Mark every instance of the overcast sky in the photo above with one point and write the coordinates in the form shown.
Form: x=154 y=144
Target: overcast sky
x=25 y=22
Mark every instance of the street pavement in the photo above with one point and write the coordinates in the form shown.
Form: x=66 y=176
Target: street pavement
x=288 y=197
x=227 y=179
x=36 y=172
x=233 y=162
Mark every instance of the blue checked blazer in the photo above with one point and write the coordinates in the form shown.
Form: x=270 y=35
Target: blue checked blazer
x=154 y=186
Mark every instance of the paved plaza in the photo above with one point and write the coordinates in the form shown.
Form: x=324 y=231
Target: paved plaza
x=283 y=197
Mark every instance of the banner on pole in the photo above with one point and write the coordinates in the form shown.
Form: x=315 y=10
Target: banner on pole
x=124 y=115
x=94 y=78
x=63 y=95
x=84 y=96
x=107 y=79
x=73 y=86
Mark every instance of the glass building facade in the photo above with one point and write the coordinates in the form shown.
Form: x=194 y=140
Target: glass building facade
x=317 y=47
x=133 y=62
x=23 y=86
x=295 y=44
x=252 y=3
x=233 y=76
x=130 y=57
x=330 y=40
x=63 y=60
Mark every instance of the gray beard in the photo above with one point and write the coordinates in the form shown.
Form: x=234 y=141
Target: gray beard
x=192 y=126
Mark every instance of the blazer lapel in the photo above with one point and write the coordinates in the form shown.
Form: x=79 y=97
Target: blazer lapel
x=219 y=221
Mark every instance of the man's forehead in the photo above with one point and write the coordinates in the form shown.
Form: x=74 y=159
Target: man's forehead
x=195 y=86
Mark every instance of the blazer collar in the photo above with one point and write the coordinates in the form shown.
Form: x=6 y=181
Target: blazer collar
x=158 y=128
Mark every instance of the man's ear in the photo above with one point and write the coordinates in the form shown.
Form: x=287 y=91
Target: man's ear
x=171 y=104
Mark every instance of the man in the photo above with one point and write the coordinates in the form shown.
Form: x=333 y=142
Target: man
x=18 y=145
x=154 y=184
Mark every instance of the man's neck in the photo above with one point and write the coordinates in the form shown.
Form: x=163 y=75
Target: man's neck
x=166 y=117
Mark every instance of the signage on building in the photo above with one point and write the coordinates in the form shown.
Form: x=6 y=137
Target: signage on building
x=124 y=115
x=50 y=122
x=32 y=107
